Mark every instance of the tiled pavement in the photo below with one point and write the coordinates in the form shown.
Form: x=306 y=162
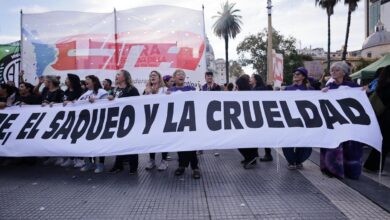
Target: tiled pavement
x=225 y=191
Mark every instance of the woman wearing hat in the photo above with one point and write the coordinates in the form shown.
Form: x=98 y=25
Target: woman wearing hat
x=169 y=81
x=346 y=159
x=296 y=156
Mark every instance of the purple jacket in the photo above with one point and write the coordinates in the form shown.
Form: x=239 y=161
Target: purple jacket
x=297 y=87
x=183 y=89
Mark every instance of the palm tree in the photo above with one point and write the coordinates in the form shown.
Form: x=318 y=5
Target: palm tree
x=227 y=25
x=352 y=5
x=328 y=5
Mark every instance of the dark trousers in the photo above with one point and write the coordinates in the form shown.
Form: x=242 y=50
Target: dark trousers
x=296 y=156
x=267 y=151
x=163 y=156
x=132 y=159
x=188 y=157
x=249 y=154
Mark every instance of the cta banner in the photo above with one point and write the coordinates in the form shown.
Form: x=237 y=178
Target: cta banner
x=162 y=38
x=190 y=121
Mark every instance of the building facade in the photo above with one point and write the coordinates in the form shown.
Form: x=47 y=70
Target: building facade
x=377 y=44
x=376 y=10
x=220 y=71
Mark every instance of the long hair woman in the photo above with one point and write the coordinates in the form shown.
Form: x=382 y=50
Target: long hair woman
x=94 y=92
x=124 y=88
x=156 y=85
x=250 y=154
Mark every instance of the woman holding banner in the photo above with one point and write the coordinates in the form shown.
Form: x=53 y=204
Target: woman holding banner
x=26 y=96
x=296 y=156
x=54 y=93
x=156 y=85
x=51 y=94
x=7 y=95
x=185 y=157
x=346 y=159
x=94 y=92
x=250 y=154
x=72 y=93
x=125 y=88
x=258 y=84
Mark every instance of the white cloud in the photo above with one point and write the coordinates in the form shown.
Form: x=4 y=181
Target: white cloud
x=8 y=38
x=31 y=9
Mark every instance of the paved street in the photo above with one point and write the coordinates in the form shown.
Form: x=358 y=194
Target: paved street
x=225 y=191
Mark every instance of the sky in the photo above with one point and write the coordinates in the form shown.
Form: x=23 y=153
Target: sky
x=297 y=18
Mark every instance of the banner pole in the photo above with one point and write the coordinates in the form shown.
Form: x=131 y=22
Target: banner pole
x=380 y=168
x=116 y=40
x=21 y=43
x=204 y=40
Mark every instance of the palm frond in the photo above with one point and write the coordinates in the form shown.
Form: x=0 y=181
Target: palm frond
x=352 y=4
x=228 y=23
x=328 y=5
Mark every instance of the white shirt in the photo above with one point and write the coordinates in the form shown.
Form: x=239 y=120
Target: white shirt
x=100 y=94
x=161 y=90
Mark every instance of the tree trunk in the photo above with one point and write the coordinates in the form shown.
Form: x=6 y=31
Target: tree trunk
x=347 y=36
x=227 y=57
x=328 y=66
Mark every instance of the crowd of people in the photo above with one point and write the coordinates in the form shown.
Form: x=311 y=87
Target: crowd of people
x=343 y=161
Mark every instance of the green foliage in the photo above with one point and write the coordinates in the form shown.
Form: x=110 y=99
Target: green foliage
x=235 y=69
x=252 y=51
x=363 y=63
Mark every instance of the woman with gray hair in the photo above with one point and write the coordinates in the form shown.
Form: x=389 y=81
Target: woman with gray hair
x=346 y=159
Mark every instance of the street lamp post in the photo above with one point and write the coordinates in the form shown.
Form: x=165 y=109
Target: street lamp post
x=269 y=47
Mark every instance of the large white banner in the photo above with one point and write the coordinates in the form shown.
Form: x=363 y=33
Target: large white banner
x=190 y=121
x=162 y=38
